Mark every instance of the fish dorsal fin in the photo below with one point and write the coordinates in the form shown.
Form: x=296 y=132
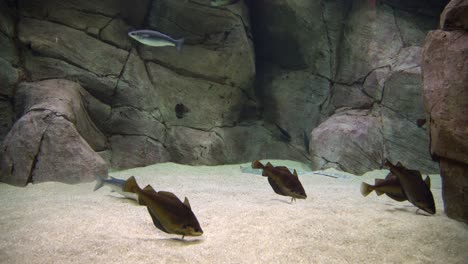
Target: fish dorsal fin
x=169 y=195
x=156 y=221
x=295 y=173
x=269 y=164
x=427 y=181
x=187 y=203
x=131 y=185
x=149 y=189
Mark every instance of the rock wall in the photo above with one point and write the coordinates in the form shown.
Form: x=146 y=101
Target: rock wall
x=445 y=72
x=258 y=79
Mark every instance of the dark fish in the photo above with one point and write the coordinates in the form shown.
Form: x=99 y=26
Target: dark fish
x=168 y=213
x=414 y=188
x=420 y=122
x=390 y=186
x=282 y=180
x=155 y=39
x=116 y=185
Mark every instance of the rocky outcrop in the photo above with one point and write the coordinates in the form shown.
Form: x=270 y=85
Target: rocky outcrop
x=54 y=140
x=253 y=79
x=445 y=71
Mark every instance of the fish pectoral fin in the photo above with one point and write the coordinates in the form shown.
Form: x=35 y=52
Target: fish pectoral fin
x=275 y=187
x=156 y=221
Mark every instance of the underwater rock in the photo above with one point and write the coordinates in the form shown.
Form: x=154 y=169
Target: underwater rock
x=445 y=78
x=130 y=151
x=48 y=142
x=6 y=117
x=455 y=16
x=350 y=141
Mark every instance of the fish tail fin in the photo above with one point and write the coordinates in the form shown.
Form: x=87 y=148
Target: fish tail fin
x=366 y=189
x=378 y=181
x=256 y=164
x=99 y=182
x=131 y=185
x=179 y=44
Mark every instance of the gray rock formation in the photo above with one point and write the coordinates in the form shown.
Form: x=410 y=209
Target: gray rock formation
x=253 y=80
x=54 y=140
x=445 y=72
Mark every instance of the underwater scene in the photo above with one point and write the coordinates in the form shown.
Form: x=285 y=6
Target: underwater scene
x=234 y=131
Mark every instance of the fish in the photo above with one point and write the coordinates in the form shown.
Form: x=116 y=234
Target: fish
x=116 y=185
x=169 y=214
x=223 y=2
x=155 y=39
x=282 y=180
x=414 y=188
x=389 y=186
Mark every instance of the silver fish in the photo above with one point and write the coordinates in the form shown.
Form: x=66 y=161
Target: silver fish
x=223 y=2
x=116 y=185
x=155 y=39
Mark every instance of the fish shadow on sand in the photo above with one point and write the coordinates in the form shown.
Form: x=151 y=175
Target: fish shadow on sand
x=279 y=200
x=123 y=199
x=186 y=242
x=408 y=209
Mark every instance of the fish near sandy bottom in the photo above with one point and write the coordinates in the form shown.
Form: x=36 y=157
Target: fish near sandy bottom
x=155 y=39
x=168 y=213
x=116 y=185
x=415 y=189
x=390 y=186
x=282 y=180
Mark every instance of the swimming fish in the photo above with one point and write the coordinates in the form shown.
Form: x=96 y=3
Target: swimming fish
x=415 y=189
x=282 y=180
x=390 y=186
x=168 y=213
x=155 y=39
x=223 y=2
x=116 y=185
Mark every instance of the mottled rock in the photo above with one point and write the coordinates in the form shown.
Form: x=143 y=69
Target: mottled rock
x=351 y=96
x=127 y=120
x=445 y=67
x=195 y=147
x=371 y=40
x=455 y=188
x=203 y=104
x=455 y=16
x=42 y=68
x=134 y=87
x=7 y=23
x=6 y=117
x=255 y=141
x=8 y=51
x=74 y=46
x=46 y=143
x=413 y=28
x=217 y=47
x=292 y=101
x=64 y=155
x=406 y=142
x=9 y=77
x=285 y=31
x=116 y=33
x=136 y=151
x=351 y=141
x=374 y=84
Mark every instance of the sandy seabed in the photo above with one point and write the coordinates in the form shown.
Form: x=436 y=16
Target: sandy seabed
x=243 y=221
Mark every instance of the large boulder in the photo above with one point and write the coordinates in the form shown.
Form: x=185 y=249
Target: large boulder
x=54 y=140
x=445 y=74
x=351 y=141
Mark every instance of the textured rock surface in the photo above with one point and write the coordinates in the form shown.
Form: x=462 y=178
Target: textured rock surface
x=259 y=82
x=445 y=72
x=48 y=142
x=350 y=141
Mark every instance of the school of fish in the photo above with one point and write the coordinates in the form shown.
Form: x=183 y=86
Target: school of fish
x=170 y=215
